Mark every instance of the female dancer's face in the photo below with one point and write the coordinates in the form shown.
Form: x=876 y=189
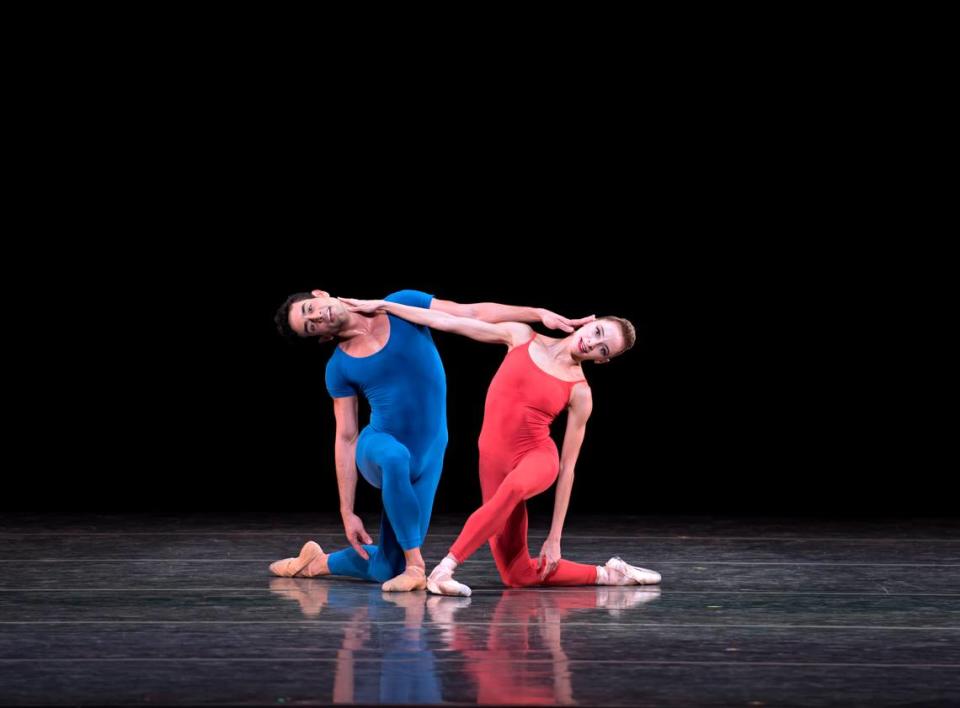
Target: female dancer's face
x=598 y=341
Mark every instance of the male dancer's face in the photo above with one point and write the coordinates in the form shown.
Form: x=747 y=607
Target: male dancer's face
x=320 y=316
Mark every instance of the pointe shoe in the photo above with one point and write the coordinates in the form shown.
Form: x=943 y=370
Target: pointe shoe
x=413 y=578
x=639 y=576
x=297 y=567
x=442 y=583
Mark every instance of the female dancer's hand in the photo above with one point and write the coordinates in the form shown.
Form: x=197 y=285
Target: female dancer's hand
x=549 y=557
x=551 y=320
x=365 y=307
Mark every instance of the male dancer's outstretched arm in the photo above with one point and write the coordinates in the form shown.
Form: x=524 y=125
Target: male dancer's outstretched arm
x=508 y=333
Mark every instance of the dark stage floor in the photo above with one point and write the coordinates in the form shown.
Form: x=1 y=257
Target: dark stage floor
x=181 y=610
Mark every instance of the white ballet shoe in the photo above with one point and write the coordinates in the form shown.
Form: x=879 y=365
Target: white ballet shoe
x=441 y=582
x=640 y=576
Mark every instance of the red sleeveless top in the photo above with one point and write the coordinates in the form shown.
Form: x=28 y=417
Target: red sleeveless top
x=522 y=402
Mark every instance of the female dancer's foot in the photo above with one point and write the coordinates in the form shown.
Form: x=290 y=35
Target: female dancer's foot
x=617 y=572
x=441 y=580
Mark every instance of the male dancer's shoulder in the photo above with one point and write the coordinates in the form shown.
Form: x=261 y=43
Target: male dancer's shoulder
x=414 y=298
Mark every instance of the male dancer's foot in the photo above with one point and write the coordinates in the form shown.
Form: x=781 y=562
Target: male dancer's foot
x=413 y=578
x=311 y=562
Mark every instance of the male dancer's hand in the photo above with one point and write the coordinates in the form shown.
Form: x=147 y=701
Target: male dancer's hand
x=356 y=534
x=549 y=557
x=551 y=320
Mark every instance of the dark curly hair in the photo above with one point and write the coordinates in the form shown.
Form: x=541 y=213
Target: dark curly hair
x=282 y=318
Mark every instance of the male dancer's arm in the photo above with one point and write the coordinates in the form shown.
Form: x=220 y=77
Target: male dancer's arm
x=354 y=635
x=495 y=312
x=509 y=333
x=345 y=458
x=581 y=404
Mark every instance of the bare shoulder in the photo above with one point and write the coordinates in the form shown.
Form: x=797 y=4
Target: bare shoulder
x=519 y=333
x=581 y=397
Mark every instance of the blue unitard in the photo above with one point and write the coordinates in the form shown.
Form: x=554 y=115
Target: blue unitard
x=401 y=450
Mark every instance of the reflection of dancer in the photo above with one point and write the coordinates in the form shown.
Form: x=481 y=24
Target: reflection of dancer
x=407 y=668
x=311 y=597
x=539 y=378
x=523 y=626
x=397 y=664
x=395 y=366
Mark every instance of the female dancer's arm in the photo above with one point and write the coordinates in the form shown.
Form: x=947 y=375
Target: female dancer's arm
x=508 y=333
x=581 y=404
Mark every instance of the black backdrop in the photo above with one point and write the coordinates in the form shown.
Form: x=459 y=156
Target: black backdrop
x=796 y=352
x=162 y=385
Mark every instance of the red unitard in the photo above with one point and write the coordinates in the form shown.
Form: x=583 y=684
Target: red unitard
x=518 y=460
